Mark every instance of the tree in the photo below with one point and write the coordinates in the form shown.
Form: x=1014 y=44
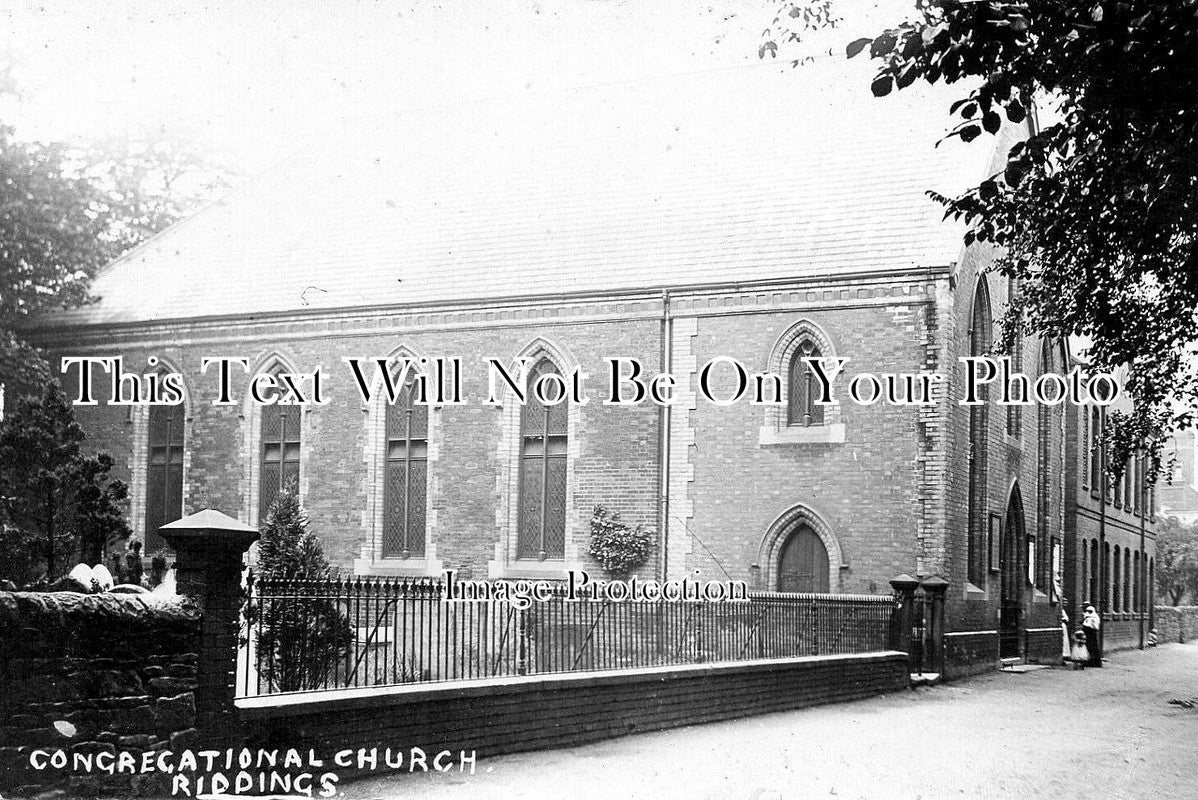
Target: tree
x=1176 y=560
x=1095 y=212
x=65 y=211
x=55 y=503
x=300 y=638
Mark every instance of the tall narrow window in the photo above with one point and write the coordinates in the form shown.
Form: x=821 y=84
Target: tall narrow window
x=164 y=473
x=406 y=480
x=1095 y=451
x=980 y=330
x=1136 y=580
x=801 y=407
x=543 y=431
x=1015 y=412
x=1083 y=581
x=1106 y=577
x=280 y=453
x=1116 y=582
x=1095 y=574
x=1126 y=579
x=1087 y=456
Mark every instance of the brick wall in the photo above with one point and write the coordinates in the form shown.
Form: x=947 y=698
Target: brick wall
x=892 y=496
x=864 y=490
x=1176 y=623
x=561 y=711
x=120 y=669
x=614 y=449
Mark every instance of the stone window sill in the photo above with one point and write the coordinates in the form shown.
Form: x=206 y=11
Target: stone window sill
x=815 y=434
x=972 y=592
x=549 y=569
x=399 y=567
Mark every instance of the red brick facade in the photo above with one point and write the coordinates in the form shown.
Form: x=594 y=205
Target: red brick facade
x=886 y=488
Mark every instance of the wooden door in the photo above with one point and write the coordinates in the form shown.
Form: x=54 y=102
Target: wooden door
x=803 y=564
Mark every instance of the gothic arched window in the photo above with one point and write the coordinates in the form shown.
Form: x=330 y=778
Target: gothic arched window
x=980 y=332
x=543 y=441
x=164 y=472
x=405 y=481
x=280 y=452
x=801 y=408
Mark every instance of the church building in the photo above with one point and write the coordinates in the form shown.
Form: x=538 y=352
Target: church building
x=750 y=215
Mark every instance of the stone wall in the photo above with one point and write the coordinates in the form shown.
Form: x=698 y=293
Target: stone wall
x=1176 y=623
x=118 y=670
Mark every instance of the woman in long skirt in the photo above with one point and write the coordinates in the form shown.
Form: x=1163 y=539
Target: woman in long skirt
x=1091 y=624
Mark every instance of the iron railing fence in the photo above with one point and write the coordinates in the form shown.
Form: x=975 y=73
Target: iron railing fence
x=313 y=635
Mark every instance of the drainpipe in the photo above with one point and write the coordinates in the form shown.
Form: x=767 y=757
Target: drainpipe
x=1103 y=565
x=1143 y=565
x=663 y=442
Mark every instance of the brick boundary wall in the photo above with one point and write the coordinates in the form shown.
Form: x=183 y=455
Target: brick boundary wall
x=120 y=669
x=969 y=653
x=519 y=714
x=1176 y=623
x=1044 y=645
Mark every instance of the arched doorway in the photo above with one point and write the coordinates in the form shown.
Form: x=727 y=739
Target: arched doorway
x=1010 y=611
x=803 y=562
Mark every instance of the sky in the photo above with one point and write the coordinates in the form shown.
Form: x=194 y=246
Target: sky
x=252 y=82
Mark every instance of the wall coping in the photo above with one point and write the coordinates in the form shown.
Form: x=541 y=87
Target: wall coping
x=298 y=703
x=18 y=609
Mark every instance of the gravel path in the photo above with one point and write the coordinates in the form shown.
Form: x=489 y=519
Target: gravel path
x=1046 y=733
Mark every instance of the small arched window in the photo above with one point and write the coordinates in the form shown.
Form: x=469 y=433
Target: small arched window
x=405 y=487
x=543 y=441
x=802 y=410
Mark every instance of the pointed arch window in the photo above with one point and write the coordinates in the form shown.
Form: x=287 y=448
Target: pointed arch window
x=801 y=408
x=1095 y=451
x=164 y=472
x=980 y=333
x=280 y=453
x=543 y=448
x=405 y=488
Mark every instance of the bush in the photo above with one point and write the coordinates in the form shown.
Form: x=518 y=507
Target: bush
x=618 y=548
x=57 y=505
x=300 y=640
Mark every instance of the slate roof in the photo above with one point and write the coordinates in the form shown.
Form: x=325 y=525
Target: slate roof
x=743 y=174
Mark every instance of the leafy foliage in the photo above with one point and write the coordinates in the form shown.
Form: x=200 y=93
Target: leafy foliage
x=65 y=211
x=618 y=549
x=300 y=639
x=1095 y=213
x=792 y=21
x=1176 y=560
x=56 y=504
